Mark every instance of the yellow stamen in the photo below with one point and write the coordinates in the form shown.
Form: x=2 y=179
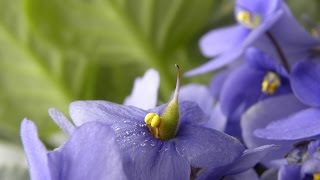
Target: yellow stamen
x=316 y=176
x=153 y=121
x=248 y=20
x=148 y=118
x=270 y=83
x=315 y=33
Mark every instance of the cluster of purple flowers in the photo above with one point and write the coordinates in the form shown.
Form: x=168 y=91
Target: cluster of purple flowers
x=266 y=94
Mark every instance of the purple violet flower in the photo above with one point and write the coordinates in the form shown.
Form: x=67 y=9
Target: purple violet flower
x=299 y=124
x=268 y=25
x=90 y=153
x=155 y=154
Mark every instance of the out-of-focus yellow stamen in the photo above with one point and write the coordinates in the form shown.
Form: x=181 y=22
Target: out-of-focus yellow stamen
x=315 y=33
x=248 y=20
x=316 y=176
x=270 y=83
x=153 y=121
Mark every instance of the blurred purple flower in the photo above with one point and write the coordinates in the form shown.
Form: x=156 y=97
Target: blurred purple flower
x=90 y=153
x=282 y=120
x=268 y=25
x=305 y=163
x=306 y=79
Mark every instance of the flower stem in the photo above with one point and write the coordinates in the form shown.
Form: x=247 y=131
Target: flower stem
x=283 y=58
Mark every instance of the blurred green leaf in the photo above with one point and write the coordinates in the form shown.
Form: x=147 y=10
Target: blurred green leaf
x=13 y=173
x=27 y=87
x=124 y=34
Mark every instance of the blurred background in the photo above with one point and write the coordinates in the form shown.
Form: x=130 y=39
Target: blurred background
x=53 y=52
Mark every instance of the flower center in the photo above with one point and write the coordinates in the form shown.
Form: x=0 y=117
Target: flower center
x=165 y=126
x=316 y=176
x=248 y=20
x=270 y=83
x=153 y=120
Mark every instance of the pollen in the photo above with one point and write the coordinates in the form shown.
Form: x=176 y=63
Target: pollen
x=248 y=20
x=270 y=83
x=153 y=121
x=316 y=176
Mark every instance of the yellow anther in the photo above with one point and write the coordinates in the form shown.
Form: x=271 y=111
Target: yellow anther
x=270 y=83
x=248 y=20
x=153 y=122
x=315 y=33
x=316 y=176
x=148 y=118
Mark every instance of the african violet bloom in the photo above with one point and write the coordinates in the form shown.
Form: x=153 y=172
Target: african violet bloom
x=90 y=153
x=164 y=142
x=303 y=162
x=268 y=25
x=285 y=119
x=239 y=87
x=239 y=169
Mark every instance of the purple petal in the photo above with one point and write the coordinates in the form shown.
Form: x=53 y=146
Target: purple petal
x=260 y=60
x=249 y=174
x=233 y=127
x=259 y=7
x=217 y=62
x=265 y=112
x=311 y=166
x=250 y=158
x=313 y=146
x=295 y=49
x=218 y=120
x=35 y=151
x=90 y=153
x=217 y=83
x=260 y=31
x=305 y=82
x=221 y=40
x=303 y=124
x=241 y=90
x=302 y=41
x=207 y=147
x=289 y=172
x=159 y=162
x=199 y=94
x=61 y=121
x=144 y=94
x=152 y=158
x=104 y=111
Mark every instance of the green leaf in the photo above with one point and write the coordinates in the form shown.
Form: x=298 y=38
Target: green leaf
x=27 y=85
x=125 y=34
